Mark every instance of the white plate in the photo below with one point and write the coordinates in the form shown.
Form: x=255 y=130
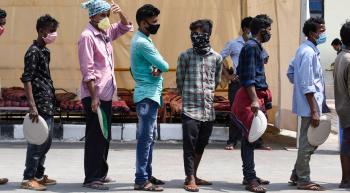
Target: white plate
x=317 y=136
x=35 y=133
x=258 y=127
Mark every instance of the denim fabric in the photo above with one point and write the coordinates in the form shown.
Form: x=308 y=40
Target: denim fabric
x=36 y=154
x=147 y=110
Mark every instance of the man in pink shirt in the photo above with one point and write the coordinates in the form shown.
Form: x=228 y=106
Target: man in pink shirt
x=98 y=85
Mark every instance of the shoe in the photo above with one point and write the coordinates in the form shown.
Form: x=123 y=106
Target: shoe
x=46 y=181
x=33 y=185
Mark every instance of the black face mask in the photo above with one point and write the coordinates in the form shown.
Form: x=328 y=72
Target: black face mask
x=200 y=42
x=152 y=28
x=265 y=36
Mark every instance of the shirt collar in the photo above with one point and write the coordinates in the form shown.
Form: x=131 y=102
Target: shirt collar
x=35 y=43
x=94 y=30
x=313 y=46
x=139 y=33
x=240 y=39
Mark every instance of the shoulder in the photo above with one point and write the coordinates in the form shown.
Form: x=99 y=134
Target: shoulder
x=32 y=51
x=186 y=54
x=216 y=55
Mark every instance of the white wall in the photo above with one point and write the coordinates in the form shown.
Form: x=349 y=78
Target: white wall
x=336 y=13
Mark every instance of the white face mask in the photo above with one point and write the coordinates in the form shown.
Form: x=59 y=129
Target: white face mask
x=249 y=35
x=104 y=24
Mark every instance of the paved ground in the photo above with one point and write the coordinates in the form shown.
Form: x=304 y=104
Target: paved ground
x=223 y=168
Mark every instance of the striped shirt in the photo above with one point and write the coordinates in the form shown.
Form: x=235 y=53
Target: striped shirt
x=196 y=79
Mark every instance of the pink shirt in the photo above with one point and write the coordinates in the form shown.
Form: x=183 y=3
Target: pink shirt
x=97 y=60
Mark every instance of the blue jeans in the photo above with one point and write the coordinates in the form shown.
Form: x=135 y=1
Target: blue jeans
x=36 y=154
x=147 y=111
x=247 y=154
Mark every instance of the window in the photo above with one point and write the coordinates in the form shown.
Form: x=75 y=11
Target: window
x=316 y=8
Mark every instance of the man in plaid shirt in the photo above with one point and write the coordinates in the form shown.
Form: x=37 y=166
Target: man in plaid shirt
x=198 y=73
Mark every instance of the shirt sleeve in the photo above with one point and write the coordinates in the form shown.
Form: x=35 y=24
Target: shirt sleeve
x=30 y=64
x=180 y=72
x=247 y=63
x=118 y=29
x=290 y=72
x=218 y=71
x=348 y=79
x=86 y=58
x=226 y=51
x=306 y=73
x=151 y=54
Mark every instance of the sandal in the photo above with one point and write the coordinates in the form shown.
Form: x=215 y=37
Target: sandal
x=230 y=147
x=260 y=181
x=3 y=181
x=311 y=186
x=156 y=181
x=190 y=187
x=201 y=182
x=96 y=185
x=255 y=186
x=148 y=186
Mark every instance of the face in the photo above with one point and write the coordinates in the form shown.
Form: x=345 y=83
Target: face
x=265 y=34
x=246 y=30
x=336 y=47
x=2 y=21
x=149 y=21
x=321 y=28
x=43 y=32
x=97 y=18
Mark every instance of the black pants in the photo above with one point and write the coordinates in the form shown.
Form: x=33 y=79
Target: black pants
x=247 y=155
x=96 y=146
x=234 y=131
x=195 y=138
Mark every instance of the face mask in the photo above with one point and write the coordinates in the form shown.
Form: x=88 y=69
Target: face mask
x=200 y=42
x=249 y=35
x=50 y=38
x=152 y=28
x=2 y=29
x=104 y=24
x=265 y=36
x=322 y=38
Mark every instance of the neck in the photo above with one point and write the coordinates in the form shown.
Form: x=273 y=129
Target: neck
x=41 y=42
x=245 y=37
x=257 y=38
x=312 y=40
x=96 y=27
x=144 y=32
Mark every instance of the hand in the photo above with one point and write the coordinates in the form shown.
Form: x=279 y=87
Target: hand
x=156 y=72
x=233 y=78
x=315 y=119
x=115 y=8
x=33 y=114
x=255 y=107
x=95 y=104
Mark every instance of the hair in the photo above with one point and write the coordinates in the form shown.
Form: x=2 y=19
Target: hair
x=336 y=41
x=2 y=14
x=260 y=22
x=46 y=21
x=345 y=33
x=145 y=12
x=245 y=23
x=311 y=25
x=205 y=25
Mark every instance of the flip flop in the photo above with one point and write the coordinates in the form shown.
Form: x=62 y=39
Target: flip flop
x=260 y=181
x=254 y=186
x=201 y=182
x=3 y=181
x=96 y=185
x=229 y=147
x=148 y=186
x=311 y=186
x=156 y=181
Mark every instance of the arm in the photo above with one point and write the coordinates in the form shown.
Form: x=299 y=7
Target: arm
x=348 y=79
x=218 y=71
x=180 y=73
x=290 y=72
x=254 y=98
x=86 y=60
x=151 y=54
x=118 y=29
x=30 y=62
x=227 y=51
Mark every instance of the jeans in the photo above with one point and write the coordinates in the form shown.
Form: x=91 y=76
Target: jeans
x=36 y=154
x=96 y=146
x=147 y=111
x=247 y=155
x=195 y=138
x=302 y=164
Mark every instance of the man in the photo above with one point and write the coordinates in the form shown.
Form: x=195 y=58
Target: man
x=342 y=101
x=2 y=29
x=253 y=95
x=197 y=75
x=98 y=85
x=305 y=73
x=147 y=67
x=40 y=94
x=337 y=45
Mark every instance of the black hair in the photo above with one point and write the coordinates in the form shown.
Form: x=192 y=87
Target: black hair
x=245 y=23
x=145 y=12
x=336 y=42
x=2 y=14
x=345 y=33
x=205 y=25
x=311 y=25
x=46 y=21
x=260 y=22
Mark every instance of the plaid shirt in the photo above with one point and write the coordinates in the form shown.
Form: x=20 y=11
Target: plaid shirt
x=196 y=79
x=251 y=70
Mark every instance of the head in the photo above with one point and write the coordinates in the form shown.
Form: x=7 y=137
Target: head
x=202 y=26
x=314 y=29
x=2 y=21
x=46 y=26
x=336 y=44
x=345 y=34
x=147 y=19
x=99 y=12
x=260 y=27
x=245 y=25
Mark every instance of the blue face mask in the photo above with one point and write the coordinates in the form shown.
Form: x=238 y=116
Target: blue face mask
x=321 y=39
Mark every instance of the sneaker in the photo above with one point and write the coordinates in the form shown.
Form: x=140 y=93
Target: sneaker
x=46 y=181
x=32 y=185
